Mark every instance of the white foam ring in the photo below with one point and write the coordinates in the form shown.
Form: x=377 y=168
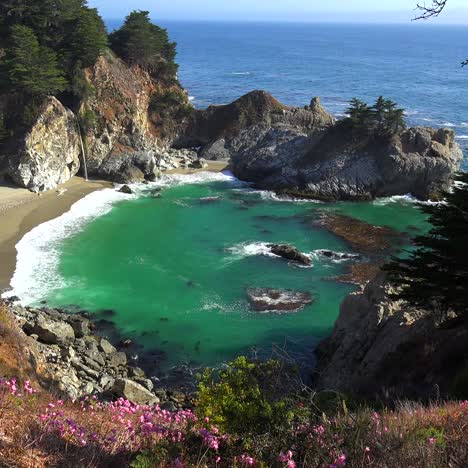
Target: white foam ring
x=38 y=252
x=252 y=249
x=408 y=198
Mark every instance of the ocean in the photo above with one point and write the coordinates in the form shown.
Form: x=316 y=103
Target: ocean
x=171 y=273
x=416 y=65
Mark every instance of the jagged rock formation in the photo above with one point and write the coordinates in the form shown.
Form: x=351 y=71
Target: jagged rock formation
x=330 y=164
x=68 y=353
x=49 y=153
x=382 y=348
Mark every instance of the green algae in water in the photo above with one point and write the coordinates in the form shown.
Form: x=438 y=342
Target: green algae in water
x=175 y=269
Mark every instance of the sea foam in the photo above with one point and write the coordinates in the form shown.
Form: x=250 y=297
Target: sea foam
x=38 y=252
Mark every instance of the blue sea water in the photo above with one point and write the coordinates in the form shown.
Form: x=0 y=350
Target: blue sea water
x=417 y=65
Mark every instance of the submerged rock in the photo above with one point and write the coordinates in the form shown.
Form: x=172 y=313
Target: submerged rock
x=288 y=252
x=282 y=300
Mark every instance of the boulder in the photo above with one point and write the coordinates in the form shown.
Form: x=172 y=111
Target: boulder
x=106 y=347
x=199 y=164
x=134 y=392
x=126 y=189
x=216 y=151
x=80 y=325
x=129 y=174
x=116 y=360
x=288 y=252
x=49 y=154
x=52 y=332
x=279 y=300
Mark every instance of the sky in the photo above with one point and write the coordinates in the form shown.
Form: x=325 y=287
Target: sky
x=383 y=11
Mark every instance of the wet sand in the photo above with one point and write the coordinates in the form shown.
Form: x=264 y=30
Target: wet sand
x=21 y=211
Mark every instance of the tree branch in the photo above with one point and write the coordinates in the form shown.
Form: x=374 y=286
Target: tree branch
x=435 y=9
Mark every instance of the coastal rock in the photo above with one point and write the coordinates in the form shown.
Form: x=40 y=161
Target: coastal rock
x=49 y=154
x=51 y=331
x=279 y=300
x=216 y=151
x=129 y=174
x=106 y=347
x=126 y=189
x=329 y=164
x=134 y=392
x=288 y=252
x=199 y=164
x=382 y=348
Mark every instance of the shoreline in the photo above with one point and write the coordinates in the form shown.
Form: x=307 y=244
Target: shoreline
x=21 y=211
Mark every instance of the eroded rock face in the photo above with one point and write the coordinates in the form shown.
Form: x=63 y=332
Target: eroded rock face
x=381 y=348
x=49 y=154
x=278 y=300
x=330 y=165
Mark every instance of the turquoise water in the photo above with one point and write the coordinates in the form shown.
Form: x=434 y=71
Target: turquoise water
x=174 y=270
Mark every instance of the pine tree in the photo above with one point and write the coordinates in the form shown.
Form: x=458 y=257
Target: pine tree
x=360 y=114
x=435 y=275
x=30 y=67
x=89 y=37
x=140 y=42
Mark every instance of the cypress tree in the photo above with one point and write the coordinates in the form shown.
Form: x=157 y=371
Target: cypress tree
x=435 y=275
x=32 y=68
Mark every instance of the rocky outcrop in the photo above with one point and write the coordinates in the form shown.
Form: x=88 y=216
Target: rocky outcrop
x=381 y=348
x=289 y=252
x=74 y=359
x=278 y=300
x=49 y=153
x=331 y=164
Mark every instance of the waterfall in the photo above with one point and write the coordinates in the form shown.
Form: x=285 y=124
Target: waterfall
x=85 y=168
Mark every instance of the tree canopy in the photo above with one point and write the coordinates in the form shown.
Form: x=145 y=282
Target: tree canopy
x=383 y=118
x=142 y=43
x=58 y=34
x=435 y=275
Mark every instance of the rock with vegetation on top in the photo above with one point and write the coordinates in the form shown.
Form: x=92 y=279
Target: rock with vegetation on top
x=49 y=153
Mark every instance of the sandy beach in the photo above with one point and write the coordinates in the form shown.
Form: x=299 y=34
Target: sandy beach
x=21 y=211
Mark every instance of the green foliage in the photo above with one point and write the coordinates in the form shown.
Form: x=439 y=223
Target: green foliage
x=89 y=37
x=46 y=41
x=435 y=435
x=435 y=275
x=142 y=43
x=244 y=398
x=87 y=119
x=32 y=68
x=381 y=119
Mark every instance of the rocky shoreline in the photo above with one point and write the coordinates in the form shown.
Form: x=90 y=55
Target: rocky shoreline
x=73 y=357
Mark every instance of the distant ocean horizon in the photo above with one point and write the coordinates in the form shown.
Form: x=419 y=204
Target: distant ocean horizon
x=418 y=66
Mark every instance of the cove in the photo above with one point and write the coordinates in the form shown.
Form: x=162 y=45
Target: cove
x=170 y=269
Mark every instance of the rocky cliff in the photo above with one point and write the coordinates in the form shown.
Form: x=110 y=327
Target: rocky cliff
x=381 y=348
x=329 y=163
x=49 y=153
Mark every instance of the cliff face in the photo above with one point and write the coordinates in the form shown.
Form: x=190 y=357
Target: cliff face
x=380 y=348
x=331 y=164
x=49 y=154
x=122 y=132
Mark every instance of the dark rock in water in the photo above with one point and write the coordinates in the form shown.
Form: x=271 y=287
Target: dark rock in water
x=283 y=300
x=164 y=319
x=289 y=252
x=208 y=200
x=125 y=344
x=106 y=313
x=361 y=236
x=337 y=255
x=151 y=177
x=126 y=189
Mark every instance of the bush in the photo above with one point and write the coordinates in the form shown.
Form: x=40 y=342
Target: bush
x=244 y=398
